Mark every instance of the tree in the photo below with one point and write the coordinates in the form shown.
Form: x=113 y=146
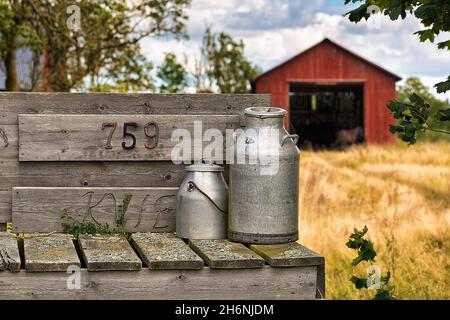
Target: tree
x=414 y=115
x=104 y=51
x=201 y=81
x=225 y=63
x=172 y=74
x=16 y=31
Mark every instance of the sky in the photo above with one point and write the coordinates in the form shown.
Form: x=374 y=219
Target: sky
x=275 y=30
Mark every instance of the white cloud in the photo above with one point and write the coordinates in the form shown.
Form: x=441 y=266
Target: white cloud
x=275 y=30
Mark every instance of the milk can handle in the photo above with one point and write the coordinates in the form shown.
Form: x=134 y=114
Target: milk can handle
x=294 y=138
x=191 y=186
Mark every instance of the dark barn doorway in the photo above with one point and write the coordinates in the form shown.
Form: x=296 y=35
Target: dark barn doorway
x=320 y=113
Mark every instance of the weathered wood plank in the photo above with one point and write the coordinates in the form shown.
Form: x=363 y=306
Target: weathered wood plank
x=287 y=255
x=9 y=252
x=52 y=252
x=294 y=255
x=226 y=254
x=321 y=289
x=165 y=251
x=9 y=146
x=5 y=206
x=89 y=174
x=12 y=104
x=82 y=138
x=265 y=283
x=84 y=174
x=104 y=252
x=40 y=209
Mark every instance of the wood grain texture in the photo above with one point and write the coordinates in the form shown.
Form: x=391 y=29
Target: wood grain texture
x=100 y=174
x=40 y=209
x=5 y=206
x=83 y=174
x=89 y=174
x=226 y=254
x=12 y=104
x=9 y=142
x=108 y=253
x=294 y=255
x=81 y=137
x=54 y=252
x=165 y=251
x=287 y=255
x=9 y=252
x=265 y=283
x=320 y=281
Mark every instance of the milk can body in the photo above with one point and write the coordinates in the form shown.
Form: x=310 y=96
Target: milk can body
x=264 y=189
x=202 y=203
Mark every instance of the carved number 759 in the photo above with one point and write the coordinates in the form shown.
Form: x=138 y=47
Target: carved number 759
x=154 y=137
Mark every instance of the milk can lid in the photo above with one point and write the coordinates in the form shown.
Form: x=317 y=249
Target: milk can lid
x=265 y=112
x=204 y=167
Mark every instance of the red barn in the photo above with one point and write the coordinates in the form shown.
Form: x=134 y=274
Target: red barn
x=328 y=89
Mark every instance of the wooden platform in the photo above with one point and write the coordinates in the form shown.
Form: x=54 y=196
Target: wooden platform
x=155 y=266
x=83 y=155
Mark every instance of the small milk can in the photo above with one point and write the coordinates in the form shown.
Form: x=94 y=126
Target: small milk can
x=264 y=180
x=202 y=203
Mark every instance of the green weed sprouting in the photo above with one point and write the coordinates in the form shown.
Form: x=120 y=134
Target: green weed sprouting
x=367 y=253
x=76 y=227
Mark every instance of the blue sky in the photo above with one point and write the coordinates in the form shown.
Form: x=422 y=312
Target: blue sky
x=274 y=30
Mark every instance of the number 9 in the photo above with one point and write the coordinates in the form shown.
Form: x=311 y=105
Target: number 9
x=154 y=136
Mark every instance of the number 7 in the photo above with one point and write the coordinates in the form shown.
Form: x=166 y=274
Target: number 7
x=114 y=126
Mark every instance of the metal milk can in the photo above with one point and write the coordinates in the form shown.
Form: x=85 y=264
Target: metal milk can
x=202 y=203
x=264 y=187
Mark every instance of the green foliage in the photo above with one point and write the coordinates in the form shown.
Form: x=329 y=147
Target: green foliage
x=444 y=115
x=17 y=31
x=14 y=27
x=367 y=253
x=172 y=74
x=225 y=63
x=363 y=246
x=412 y=113
x=129 y=73
x=413 y=116
x=443 y=86
x=122 y=210
x=360 y=283
x=433 y=14
x=76 y=227
x=104 y=53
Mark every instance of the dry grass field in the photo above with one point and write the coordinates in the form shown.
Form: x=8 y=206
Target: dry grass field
x=402 y=194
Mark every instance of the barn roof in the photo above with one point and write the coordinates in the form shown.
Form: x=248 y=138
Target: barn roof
x=326 y=40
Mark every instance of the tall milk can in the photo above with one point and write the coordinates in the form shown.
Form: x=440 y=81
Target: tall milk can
x=202 y=203
x=264 y=181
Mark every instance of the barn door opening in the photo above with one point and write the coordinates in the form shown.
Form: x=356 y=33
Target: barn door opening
x=327 y=115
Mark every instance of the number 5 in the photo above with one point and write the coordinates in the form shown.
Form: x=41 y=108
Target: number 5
x=127 y=134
